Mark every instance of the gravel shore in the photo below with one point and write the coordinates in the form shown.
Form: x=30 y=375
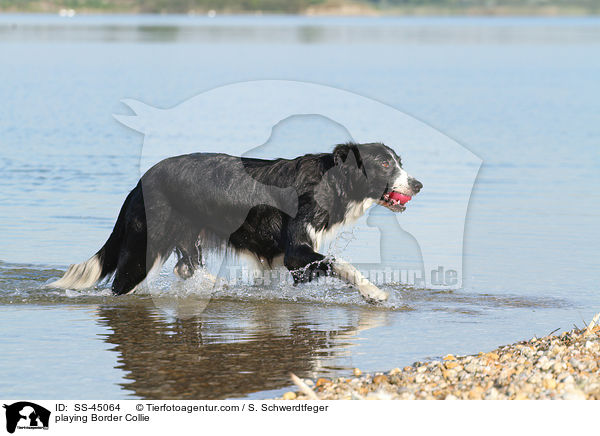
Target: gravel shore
x=565 y=366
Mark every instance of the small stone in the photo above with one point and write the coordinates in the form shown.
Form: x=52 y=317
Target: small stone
x=549 y=383
x=378 y=379
x=357 y=372
x=355 y=396
x=450 y=374
x=528 y=388
x=567 y=378
x=493 y=356
x=379 y=395
x=471 y=368
x=309 y=382
x=476 y=393
x=451 y=364
x=521 y=396
x=527 y=351
x=492 y=394
x=449 y=357
x=535 y=379
x=574 y=394
x=289 y=396
x=395 y=371
x=450 y=397
x=323 y=381
x=543 y=362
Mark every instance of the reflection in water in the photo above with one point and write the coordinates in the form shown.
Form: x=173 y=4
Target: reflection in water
x=231 y=350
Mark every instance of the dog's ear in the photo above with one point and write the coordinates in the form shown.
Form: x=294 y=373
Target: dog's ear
x=341 y=152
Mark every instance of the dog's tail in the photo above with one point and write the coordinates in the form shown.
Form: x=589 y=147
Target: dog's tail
x=103 y=263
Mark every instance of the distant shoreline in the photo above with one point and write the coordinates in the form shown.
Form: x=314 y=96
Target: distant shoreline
x=340 y=11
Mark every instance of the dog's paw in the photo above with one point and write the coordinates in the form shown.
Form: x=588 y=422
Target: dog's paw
x=183 y=270
x=372 y=292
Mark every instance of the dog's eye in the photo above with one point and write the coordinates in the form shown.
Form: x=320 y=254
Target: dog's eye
x=385 y=164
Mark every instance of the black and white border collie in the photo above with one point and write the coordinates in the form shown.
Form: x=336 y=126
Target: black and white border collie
x=275 y=210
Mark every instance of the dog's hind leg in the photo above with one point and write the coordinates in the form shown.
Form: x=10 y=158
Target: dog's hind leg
x=187 y=247
x=130 y=273
x=139 y=254
x=189 y=259
x=132 y=268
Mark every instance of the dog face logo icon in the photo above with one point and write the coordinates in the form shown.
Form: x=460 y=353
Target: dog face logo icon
x=26 y=415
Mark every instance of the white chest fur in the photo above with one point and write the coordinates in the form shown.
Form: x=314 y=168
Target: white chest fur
x=354 y=211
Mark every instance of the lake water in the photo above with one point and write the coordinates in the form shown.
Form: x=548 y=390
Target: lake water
x=520 y=93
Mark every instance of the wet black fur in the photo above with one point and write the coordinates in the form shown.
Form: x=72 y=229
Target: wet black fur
x=209 y=199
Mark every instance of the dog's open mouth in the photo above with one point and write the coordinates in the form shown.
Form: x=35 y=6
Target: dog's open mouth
x=394 y=201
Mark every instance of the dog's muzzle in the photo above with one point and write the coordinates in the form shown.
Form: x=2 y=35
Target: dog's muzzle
x=395 y=199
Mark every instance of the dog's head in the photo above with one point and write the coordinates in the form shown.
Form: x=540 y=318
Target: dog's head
x=376 y=172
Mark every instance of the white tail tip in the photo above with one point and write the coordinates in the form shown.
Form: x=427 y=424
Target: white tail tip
x=80 y=276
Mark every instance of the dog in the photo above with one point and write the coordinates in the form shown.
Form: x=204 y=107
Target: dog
x=274 y=210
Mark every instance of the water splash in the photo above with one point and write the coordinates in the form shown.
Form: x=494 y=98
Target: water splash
x=24 y=284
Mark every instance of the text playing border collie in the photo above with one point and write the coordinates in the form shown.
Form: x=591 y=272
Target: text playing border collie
x=272 y=209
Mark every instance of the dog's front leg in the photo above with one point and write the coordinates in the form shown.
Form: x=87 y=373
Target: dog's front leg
x=305 y=264
x=350 y=274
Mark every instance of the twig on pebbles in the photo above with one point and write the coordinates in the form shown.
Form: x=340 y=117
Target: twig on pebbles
x=303 y=387
x=554 y=331
x=593 y=323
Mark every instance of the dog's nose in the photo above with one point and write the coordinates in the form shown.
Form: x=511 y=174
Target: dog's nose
x=415 y=185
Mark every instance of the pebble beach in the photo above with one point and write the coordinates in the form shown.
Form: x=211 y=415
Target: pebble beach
x=563 y=366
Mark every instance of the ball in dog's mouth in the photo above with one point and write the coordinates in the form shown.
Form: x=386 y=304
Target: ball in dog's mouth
x=395 y=201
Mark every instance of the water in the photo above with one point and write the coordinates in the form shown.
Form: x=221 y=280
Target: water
x=522 y=94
